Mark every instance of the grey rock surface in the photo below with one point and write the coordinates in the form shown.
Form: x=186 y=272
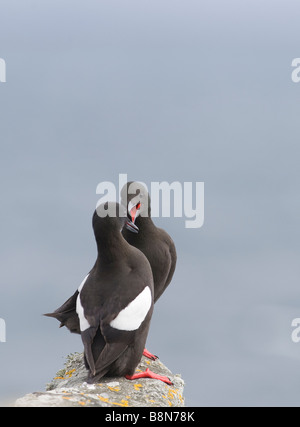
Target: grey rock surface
x=69 y=388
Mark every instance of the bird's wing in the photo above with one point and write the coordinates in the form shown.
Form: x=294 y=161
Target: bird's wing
x=66 y=314
x=117 y=326
x=99 y=357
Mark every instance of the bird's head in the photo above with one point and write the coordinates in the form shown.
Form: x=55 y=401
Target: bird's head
x=109 y=216
x=135 y=198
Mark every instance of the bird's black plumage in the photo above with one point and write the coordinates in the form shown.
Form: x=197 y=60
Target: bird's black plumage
x=114 y=303
x=154 y=242
x=66 y=314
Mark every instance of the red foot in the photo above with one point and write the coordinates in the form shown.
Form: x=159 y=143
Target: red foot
x=149 y=374
x=151 y=356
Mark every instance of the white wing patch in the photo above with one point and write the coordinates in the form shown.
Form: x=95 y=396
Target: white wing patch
x=84 y=324
x=131 y=317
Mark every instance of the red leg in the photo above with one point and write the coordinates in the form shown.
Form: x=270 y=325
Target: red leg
x=149 y=374
x=151 y=356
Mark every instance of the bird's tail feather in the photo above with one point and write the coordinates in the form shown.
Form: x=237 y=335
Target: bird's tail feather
x=67 y=315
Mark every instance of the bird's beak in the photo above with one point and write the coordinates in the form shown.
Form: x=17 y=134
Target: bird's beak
x=130 y=225
x=133 y=212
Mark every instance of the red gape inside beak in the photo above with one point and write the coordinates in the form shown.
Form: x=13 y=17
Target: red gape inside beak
x=134 y=211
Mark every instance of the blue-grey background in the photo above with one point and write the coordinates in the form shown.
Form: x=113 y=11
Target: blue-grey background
x=161 y=90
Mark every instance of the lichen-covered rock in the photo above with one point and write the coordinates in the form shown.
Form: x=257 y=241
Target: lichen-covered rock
x=69 y=388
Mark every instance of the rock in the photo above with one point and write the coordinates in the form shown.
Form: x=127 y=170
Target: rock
x=69 y=388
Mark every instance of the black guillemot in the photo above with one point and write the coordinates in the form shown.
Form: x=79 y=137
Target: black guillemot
x=113 y=304
x=154 y=242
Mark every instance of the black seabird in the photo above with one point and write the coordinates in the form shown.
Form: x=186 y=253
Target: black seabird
x=114 y=303
x=155 y=243
x=142 y=233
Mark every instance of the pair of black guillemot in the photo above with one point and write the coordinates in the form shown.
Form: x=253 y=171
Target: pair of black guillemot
x=112 y=307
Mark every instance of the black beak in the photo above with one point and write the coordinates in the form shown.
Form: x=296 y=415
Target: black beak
x=131 y=226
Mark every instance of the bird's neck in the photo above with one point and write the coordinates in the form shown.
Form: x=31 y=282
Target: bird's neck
x=146 y=229
x=144 y=223
x=110 y=248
